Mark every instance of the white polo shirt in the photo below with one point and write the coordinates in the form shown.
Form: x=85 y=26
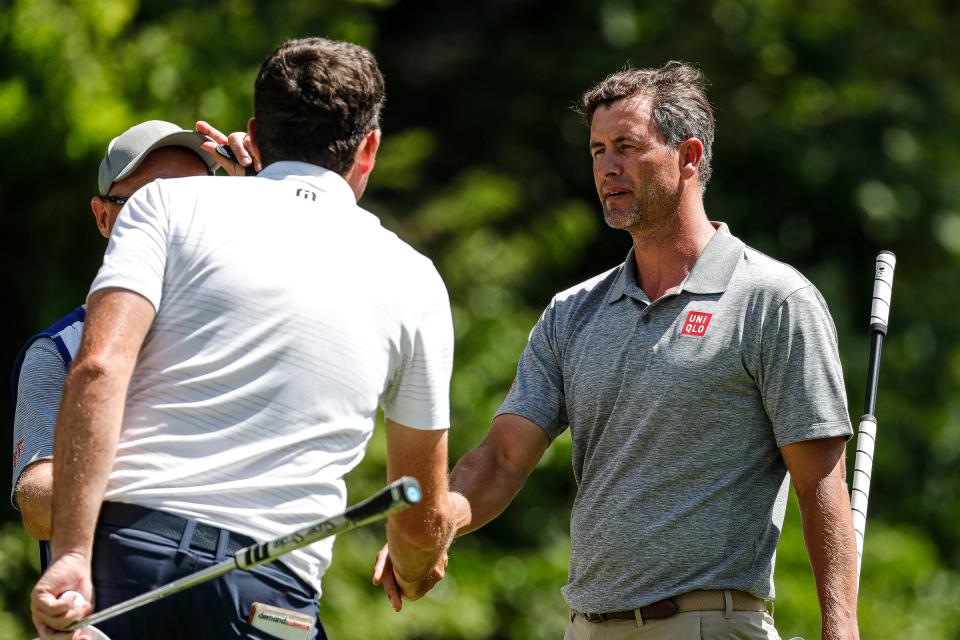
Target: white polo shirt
x=285 y=316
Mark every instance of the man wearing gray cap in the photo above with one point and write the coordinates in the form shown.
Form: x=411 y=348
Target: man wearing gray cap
x=145 y=152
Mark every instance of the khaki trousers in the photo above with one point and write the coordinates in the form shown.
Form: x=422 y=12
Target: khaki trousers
x=692 y=625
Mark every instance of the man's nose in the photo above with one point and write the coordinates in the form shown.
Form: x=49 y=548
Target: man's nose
x=608 y=165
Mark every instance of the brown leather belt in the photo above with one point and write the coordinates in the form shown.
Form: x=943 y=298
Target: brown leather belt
x=693 y=601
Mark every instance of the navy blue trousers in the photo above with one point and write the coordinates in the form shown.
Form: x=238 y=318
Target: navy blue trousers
x=128 y=562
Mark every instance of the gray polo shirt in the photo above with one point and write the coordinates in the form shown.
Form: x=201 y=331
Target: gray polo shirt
x=677 y=410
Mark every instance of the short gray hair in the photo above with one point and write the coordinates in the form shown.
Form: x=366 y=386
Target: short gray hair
x=680 y=106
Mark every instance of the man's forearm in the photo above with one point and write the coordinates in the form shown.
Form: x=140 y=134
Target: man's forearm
x=88 y=428
x=482 y=488
x=831 y=546
x=486 y=479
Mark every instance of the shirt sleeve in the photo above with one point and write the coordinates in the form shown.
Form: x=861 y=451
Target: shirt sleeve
x=419 y=395
x=39 y=392
x=136 y=255
x=801 y=380
x=537 y=392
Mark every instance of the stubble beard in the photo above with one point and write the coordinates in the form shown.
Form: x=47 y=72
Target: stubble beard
x=649 y=216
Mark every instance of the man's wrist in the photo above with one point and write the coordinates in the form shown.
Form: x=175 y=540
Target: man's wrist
x=59 y=548
x=846 y=629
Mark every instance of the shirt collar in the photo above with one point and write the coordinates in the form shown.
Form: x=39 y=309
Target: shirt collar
x=715 y=266
x=316 y=176
x=711 y=273
x=626 y=282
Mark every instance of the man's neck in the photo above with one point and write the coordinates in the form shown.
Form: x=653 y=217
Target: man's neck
x=663 y=260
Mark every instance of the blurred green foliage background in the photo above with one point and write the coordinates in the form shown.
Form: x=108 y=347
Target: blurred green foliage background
x=838 y=135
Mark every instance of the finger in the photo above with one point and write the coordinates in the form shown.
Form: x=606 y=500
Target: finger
x=207 y=129
x=226 y=163
x=214 y=138
x=393 y=591
x=378 y=565
x=389 y=581
x=236 y=143
x=45 y=603
x=52 y=621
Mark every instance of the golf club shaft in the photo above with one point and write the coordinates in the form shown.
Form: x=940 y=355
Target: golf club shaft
x=395 y=497
x=867 y=430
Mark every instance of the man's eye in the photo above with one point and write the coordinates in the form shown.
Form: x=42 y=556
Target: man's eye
x=597 y=152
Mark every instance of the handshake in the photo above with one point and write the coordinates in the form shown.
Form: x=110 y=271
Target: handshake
x=415 y=557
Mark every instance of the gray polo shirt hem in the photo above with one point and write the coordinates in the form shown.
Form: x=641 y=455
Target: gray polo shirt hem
x=537 y=420
x=836 y=429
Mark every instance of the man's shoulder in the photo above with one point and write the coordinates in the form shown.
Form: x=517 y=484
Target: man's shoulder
x=589 y=292
x=54 y=346
x=759 y=271
x=396 y=248
x=41 y=356
x=40 y=366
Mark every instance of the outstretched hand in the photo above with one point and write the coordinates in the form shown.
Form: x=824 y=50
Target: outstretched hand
x=395 y=587
x=239 y=143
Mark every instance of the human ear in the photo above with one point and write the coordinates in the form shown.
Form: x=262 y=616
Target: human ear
x=101 y=215
x=690 y=152
x=366 y=156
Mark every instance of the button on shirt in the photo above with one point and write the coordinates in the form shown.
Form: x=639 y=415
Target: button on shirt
x=677 y=410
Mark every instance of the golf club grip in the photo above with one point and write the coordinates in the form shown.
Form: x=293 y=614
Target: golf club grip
x=396 y=496
x=862 y=469
x=882 y=291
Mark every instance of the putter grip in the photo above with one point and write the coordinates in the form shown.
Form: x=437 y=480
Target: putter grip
x=404 y=491
x=882 y=290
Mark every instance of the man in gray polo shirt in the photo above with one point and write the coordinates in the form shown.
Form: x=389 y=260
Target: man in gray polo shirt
x=693 y=377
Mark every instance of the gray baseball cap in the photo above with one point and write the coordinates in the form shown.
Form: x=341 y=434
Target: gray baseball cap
x=126 y=151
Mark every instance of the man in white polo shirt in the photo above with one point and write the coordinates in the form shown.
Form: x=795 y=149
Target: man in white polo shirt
x=254 y=326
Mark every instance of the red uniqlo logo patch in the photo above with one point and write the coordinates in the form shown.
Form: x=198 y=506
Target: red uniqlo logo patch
x=696 y=323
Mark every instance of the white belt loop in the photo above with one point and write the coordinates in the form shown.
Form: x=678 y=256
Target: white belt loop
x=639 y=617
x=727 y=604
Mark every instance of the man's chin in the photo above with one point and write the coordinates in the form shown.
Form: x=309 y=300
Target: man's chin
x=619 y=219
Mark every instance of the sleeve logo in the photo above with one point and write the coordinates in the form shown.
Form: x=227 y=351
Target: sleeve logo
x=17 y=452
x=696 y=324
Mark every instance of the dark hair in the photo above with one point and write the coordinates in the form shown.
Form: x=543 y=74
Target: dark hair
x=314 y=100
x=680 y=106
